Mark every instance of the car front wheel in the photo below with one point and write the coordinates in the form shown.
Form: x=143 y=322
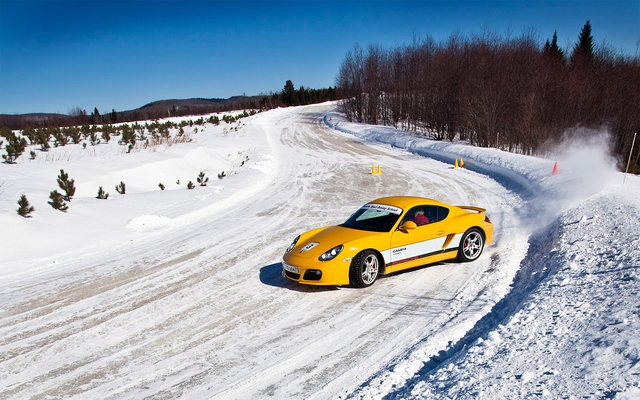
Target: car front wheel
x=364 y=269
x=471 y=245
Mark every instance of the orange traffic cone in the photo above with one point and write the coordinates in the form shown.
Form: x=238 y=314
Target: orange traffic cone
x=555 y=169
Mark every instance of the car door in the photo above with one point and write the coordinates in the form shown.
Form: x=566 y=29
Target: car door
x=421 y=245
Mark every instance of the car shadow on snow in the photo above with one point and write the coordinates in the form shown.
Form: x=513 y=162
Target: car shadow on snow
x=272 y=275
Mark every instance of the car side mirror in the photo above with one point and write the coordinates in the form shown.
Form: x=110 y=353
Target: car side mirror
x=408 y=225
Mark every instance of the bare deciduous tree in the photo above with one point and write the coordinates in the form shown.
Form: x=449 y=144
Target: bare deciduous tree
x=493 y=91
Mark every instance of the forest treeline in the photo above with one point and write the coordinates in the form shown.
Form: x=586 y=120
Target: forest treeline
x=510 y=93
x=288 y=96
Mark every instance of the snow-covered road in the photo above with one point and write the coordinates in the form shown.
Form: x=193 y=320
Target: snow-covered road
x=199 y=307
x=178 y=293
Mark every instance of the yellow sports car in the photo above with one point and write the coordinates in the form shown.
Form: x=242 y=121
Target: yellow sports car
x=384 y=236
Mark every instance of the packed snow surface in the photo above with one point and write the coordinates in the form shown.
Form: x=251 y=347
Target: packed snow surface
x=179 y=293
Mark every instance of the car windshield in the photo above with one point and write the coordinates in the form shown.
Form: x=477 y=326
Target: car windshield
x=374 y=217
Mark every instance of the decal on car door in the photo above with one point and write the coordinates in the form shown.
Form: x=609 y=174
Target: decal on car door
x=423 y=249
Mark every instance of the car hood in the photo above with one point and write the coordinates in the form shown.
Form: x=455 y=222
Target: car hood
x=327 y=238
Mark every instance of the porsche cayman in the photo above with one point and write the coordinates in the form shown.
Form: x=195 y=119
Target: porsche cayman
x=387 y=235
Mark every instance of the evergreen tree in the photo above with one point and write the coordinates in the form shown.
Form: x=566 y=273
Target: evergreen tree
x=583 y=50
x=93 y=139
x=57 y=201
x=128 y=135
x=42 y=138
x=25 y=208
x=30 y=133
x=5 y=131
x=66 y=184
x=15 y=146
x=61 y=138
x=202 y=180
x=102 y=194
x=75 y=134
x=190 y=185
x=552 y=50
x=95 y=116
x=161 y=186
x=289 y=95
x=85 y=130
x=121 y=188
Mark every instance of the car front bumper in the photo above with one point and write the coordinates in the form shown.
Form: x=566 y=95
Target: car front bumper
x=329 y=273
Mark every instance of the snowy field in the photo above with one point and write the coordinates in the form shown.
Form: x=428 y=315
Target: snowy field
x=178 y=293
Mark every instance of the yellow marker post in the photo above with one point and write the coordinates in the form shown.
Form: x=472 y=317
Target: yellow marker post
x=461 y=163
x=379 y=170
x=456 y=164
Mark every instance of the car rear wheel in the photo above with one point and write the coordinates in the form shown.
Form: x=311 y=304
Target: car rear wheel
x=364 y=269
x=471 y=245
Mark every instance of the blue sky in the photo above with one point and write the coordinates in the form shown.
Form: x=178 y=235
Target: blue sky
x=55 y=56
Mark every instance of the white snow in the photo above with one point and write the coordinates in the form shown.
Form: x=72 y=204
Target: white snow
x=178 y=292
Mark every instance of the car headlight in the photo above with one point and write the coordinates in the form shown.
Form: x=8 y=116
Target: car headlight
x=331 y=254
x=293 y=244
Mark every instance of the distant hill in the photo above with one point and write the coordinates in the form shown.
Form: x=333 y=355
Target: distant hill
x=196 y=106
x=200 y=102
x=175 y=108
x=153 y=110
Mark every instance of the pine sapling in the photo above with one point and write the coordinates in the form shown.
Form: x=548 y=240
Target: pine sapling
x=121 y=188
x=202 y=180
x=42 y=138
x=161 y=186
x=57 y=201
x=25 y=208
x=190 y=185
x=221 y=175
x=15 y=146
x=102 y=194
x=66 y=184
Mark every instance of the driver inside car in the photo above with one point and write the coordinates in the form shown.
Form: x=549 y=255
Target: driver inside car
x=420 y=219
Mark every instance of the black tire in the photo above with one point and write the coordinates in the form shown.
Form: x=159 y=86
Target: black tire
x=471 y=245
x=364 y=269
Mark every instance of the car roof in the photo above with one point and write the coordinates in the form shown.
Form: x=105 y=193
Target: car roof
x=405 y=202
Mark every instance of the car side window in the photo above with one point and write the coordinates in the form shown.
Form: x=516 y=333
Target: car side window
x=423 y=215
x=436 y=213
x=417 y=215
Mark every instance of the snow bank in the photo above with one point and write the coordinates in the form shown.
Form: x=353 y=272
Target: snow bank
x=575 y=331
x=569 y=327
